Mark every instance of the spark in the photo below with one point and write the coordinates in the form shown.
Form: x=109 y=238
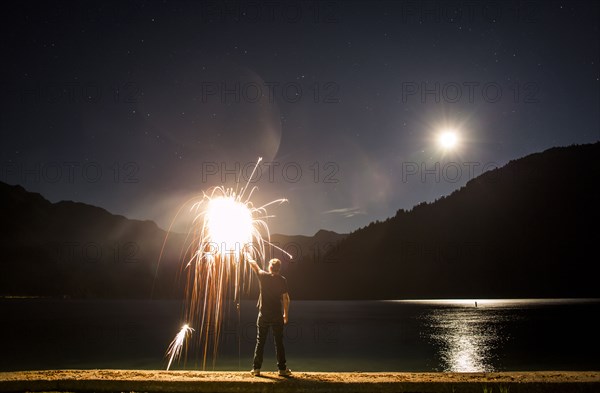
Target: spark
x=226 y=230
x=175 y=347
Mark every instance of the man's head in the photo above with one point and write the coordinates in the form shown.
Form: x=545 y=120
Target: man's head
x=274 y=266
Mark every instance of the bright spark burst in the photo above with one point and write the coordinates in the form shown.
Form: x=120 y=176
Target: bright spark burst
x=225 y=228
x=229 y=223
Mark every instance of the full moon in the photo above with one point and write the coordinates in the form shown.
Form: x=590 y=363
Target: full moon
x=448 y=139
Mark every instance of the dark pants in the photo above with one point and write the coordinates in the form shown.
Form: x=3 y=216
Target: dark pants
x=262 y=328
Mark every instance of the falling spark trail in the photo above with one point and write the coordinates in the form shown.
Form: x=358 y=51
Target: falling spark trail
x=177 y=344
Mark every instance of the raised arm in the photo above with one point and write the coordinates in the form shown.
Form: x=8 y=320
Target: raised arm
x=286 y=307
x=253 y=264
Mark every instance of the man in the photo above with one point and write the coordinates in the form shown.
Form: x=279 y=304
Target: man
x=273 y=294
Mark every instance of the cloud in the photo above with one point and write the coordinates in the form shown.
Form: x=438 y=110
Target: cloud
x=346 y=212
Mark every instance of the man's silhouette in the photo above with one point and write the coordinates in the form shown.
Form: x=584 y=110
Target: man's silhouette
x=273 y=306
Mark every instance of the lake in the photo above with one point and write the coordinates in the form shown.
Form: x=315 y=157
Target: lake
x=415 y=335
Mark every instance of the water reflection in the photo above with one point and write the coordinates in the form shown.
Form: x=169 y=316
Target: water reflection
x=467 y=337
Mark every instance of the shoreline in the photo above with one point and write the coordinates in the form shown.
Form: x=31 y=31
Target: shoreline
x=223 y=381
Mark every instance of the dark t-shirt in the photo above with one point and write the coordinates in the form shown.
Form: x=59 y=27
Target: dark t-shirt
x=272 y=286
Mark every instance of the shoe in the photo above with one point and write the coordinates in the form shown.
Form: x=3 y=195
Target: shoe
x=255 y=372
x=285 y=373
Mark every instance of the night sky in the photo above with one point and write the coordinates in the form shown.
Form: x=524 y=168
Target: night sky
x=135 y=106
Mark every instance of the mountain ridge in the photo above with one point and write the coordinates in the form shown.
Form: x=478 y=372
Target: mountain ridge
x=526 y=229
x=75 y=249
x=504 y=217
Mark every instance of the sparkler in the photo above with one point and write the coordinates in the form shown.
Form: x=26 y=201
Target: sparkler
x=226 y=229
